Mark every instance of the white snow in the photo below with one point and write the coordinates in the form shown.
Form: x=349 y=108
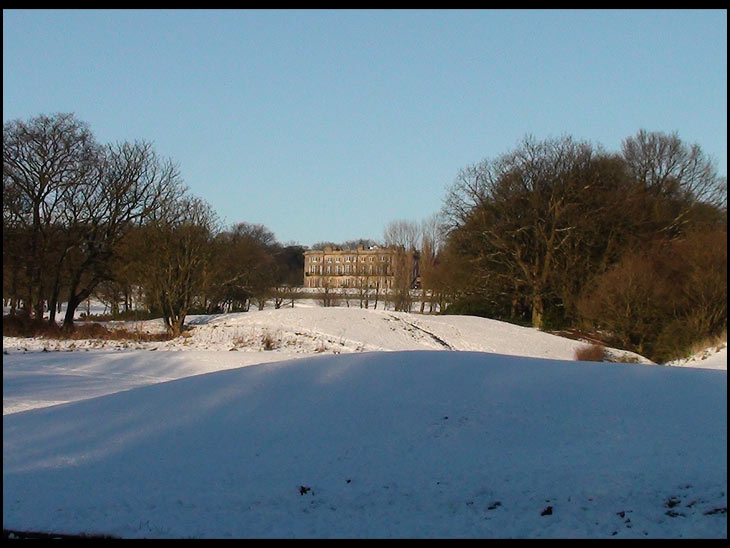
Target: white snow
x=312 y=329
x=713 y=357
x=359 y=423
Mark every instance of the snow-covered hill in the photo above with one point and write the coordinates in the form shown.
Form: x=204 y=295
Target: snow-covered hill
x=39 y=372
x=383 y=444
x=313 y=329
x=712 y=357
x=213 y=436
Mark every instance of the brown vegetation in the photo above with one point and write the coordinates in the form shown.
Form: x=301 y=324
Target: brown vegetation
x=562 y=235
x=662 y=302
x=22 y=326
x=268 y=342
x=591 y=353
x=557 y=234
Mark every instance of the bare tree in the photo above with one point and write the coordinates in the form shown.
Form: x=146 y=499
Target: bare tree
x=661 y=301
x=673 y=168
x=431 y=236
x=404 y=264
x=256 y=233
x=363 y=283
x=679 y=174
x=245 y=266
x=328 y=295
x=129 y=185
x=517 y=213
x=44 y=160
x=406 y=237
x=173 y=249
x=404 y=234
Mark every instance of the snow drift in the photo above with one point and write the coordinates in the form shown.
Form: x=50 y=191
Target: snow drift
x=381 y=444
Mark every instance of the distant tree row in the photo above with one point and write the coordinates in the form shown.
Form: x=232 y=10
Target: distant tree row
x=348 y=244
x=557 y=234
x=82 y=218
x=561 y=234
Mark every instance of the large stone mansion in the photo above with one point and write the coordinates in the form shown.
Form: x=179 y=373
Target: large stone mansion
x=374 y=267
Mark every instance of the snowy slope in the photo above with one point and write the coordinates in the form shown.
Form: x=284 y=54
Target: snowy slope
x=713 y=357
x=71 y=370
x=381 y=444
x=210 y=435
x=308 y=330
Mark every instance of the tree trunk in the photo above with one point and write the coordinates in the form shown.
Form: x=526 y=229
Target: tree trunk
x=74 y=300
x=177 y=325
x=53 y=306
x=537 y=311
x=73 y=303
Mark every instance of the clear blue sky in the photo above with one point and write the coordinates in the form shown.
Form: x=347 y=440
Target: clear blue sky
x=326 y=125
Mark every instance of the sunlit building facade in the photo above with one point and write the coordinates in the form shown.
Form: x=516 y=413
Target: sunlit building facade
x=374 y=267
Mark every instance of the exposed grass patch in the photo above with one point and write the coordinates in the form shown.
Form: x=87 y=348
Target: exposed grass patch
x=22 y=326
x=625 y=358
x=715 y=343
x=591 y=353
x=268 y=342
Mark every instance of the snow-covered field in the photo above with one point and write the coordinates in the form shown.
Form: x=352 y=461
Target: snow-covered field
x=359 y=423
x=309 y=329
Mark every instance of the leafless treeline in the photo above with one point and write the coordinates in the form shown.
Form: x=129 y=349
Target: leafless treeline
x=557 y=234
x=82 y=218
x=562 y=234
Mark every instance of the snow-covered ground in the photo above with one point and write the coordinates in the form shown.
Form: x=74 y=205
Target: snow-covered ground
x=225 y=341
x=714 y=357
x=359 y=423
x=308 y=329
